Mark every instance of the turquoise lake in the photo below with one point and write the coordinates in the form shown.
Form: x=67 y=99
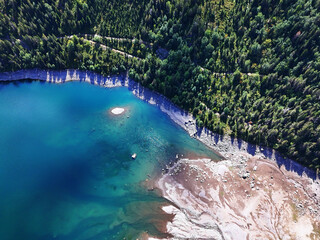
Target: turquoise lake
x=65 y=161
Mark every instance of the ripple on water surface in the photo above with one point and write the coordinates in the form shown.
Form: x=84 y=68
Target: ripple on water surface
x=66 y=170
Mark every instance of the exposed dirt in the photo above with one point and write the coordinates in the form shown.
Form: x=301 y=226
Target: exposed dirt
x=246 y=198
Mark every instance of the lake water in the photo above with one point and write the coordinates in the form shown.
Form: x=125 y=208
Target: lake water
x=65 y=162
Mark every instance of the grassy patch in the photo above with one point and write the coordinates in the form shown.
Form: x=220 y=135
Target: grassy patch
x=294 y=212
x=316 y=232
x=221 y=193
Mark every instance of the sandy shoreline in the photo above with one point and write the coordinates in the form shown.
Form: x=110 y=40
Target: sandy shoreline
x=198 y=213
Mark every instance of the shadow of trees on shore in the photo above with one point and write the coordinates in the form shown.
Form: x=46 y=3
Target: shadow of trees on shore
x=61 y=76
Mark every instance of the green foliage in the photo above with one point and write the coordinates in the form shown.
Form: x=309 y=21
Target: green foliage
x=246 y=68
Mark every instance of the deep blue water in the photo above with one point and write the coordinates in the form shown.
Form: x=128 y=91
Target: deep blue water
x=65 y=162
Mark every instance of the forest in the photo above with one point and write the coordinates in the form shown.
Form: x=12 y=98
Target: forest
x=250 y=69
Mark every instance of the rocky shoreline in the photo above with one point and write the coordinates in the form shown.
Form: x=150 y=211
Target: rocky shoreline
x=243 y=198
x=193 y=206
x=221 y=144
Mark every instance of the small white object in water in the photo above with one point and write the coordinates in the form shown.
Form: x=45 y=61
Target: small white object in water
x=134 y=156
x=117 y=111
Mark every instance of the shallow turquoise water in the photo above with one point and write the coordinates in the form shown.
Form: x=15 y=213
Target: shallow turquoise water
x=65 y=162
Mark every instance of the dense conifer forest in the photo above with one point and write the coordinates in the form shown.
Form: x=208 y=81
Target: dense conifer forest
x=250 y=69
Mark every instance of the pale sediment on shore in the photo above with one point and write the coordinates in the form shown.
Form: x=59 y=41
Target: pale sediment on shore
x=246 y=198
x=214 y=203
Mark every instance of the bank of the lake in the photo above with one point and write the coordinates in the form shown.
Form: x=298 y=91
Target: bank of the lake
x=240 y=160
x=66 y=167
x=221 y=144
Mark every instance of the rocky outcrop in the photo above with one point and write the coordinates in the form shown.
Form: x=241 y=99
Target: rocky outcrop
x=56 y=76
